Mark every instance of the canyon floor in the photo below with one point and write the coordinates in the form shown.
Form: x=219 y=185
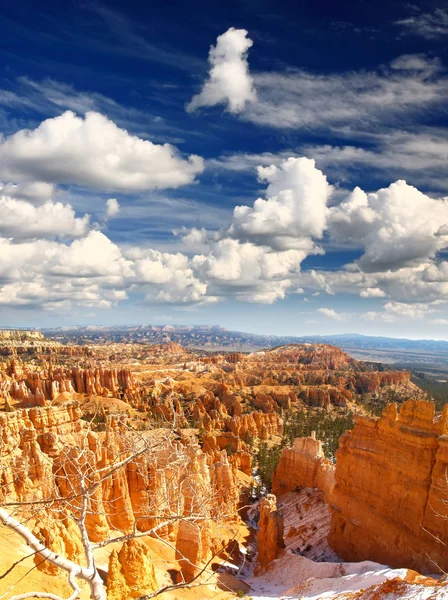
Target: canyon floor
x=160 y=471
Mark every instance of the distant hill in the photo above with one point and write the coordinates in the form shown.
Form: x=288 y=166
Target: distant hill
x=211 y=335
x=426 y=355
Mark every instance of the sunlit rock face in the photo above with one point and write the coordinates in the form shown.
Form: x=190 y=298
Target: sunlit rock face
x=389 y=500
x=131 y=572
x=47 y=450
x=36 y=386
x=304 y=466
x=270 y=533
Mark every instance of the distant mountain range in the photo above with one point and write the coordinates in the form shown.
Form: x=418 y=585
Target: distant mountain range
x=215 y=335
x=427 y=355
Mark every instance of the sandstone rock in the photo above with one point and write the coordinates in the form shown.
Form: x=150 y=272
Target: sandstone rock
x=33 y=387
x=131 y=571
x=304 y=465
x=389 y=499
x=270 y=533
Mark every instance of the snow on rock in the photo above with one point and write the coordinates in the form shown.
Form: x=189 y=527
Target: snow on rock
x=293 y=577
x=306 y=519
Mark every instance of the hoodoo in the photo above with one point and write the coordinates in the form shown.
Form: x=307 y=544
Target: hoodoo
x=391 y=489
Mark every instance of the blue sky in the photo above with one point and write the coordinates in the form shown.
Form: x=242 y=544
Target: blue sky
x=196 y=163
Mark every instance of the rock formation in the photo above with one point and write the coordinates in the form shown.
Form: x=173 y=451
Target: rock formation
x=33 y=386
x=391 y=489
x=131 y=572
x=49 y=451
x=304 y=466
x=270 y=533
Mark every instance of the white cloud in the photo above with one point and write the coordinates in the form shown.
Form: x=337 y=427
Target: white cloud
x=22 y=220
x=416 y=62
x=413 y=311
x=112 y=208
x=93 y=271
x=372 y=293
x=397 y=226
x=196 y=240
x=295 y=209
x=439 y=321
x=95 y=153
x=229 y=80
x=418 y=155
x=92 y=256
x=379 y=316
x=230 y=260
x=30 y=191
x=331 y=314
x=299 y=99
x=257 y=257
x=168 y=277
x=427 y=25
x=247 y=271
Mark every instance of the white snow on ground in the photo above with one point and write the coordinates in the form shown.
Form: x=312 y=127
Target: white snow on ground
x=310 y=570
x=293 y=577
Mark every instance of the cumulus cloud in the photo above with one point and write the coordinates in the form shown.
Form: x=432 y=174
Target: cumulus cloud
x=397 y=226
x=22 y=220
x=173 y=275
x=247 y=271
x=54 y=259
x=298 y=99
x=95 y=255
x=30 y=191
x=258 y=256
x=194 y=239
x=231 y=260
x=93 y=152
x=294 y=211
x=229 y=80
x=112 y=208
x=372 y=293
x=93 y=271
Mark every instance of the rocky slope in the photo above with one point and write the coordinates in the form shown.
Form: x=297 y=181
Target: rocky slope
x=391 y=489
x=388 y=491
x=71 y=412
x=47 y=452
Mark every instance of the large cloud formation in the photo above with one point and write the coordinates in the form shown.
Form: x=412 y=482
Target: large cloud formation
x=55 y=259
x=294 y=211
x=22 y=220
x=397 y=226
x=93 y=152
x=229 y=80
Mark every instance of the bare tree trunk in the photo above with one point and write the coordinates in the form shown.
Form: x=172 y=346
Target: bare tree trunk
x=74 y=570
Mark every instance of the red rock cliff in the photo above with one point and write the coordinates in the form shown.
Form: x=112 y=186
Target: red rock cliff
x=304 y=465
x=391 y=489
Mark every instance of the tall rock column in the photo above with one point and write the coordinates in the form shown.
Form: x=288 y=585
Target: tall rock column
x=270 y=533
x=389 y=501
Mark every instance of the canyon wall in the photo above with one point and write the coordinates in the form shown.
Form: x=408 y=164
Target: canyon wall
x=304 y=465
x=35 y=386
x=388 y=490
x=48 y=451
x=391 y=489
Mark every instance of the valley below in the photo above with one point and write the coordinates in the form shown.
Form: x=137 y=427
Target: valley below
x=136 y=464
